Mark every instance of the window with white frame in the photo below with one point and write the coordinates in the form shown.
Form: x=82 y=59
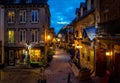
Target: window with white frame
x=34 y=36
x=11 y=16
x=11 y=36
x=22 y=15
x=34 y=14
x=81 y=10
x=88 y=5
x=28 y=1
x=22 y=35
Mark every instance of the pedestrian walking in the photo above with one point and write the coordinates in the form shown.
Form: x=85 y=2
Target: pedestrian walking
x=78 y=57
x=72 y=53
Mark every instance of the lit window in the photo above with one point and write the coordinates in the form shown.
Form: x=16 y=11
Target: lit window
x=34 y=16
x=10 y=36
x=34 y=35
x=22 y=16
x=11 y=16
x=22 y=36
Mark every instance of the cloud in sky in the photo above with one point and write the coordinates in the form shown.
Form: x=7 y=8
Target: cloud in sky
x=62 y=12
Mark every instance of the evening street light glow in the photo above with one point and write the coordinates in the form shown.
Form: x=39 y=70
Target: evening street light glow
x=78 y=46
x=48 y=37
x=109 y=53
x=58 y=40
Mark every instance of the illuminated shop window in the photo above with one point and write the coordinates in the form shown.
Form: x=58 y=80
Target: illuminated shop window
x=11 y=16
x=35 y=55
x=11 y=36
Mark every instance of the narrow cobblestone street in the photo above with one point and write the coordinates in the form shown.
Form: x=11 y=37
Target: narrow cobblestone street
x=57 y=72
x=59 y=69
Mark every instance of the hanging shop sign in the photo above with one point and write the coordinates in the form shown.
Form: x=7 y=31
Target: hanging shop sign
x=91 y=32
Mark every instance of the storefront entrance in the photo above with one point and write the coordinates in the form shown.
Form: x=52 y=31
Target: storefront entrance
x=22 y=57
x=28 y=56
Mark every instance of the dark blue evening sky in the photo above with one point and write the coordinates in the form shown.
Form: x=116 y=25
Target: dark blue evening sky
x=62 y=12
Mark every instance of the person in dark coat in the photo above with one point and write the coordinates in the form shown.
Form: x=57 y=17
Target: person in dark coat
x=78 y=56
x=72 y=53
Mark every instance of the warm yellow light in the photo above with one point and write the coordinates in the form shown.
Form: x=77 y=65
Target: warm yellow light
x=107 y=53
x=58 y=40
x=48 y=37
x=111 y=53
x=73 y=44
x=78 y=46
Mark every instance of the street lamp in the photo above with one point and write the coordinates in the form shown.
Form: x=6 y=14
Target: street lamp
x=27 y=59
x=48 y=37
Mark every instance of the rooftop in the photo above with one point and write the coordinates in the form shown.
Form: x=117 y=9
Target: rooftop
x=20 y=2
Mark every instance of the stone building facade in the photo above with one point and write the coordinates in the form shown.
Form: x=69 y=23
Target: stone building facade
x=109 y=35
x=26 y=22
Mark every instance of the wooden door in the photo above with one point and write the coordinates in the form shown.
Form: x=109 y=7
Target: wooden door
x=117 y=64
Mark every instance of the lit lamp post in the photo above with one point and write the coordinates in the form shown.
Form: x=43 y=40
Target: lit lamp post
x=28 y=54
x=47 y=38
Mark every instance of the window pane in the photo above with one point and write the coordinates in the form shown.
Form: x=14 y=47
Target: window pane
x=34 y=16
x=11 y=36
x=24 y=35
x=22 y=16
x=20 y=35
x=36 y=36
x=11 y=16
x=33 y=35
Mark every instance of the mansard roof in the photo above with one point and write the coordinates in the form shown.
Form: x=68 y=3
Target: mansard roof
x=82 y=4
x=24 y=2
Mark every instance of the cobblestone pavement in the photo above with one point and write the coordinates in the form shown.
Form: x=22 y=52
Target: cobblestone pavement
x=58 y=72
x=18 y=76
x=60 y=68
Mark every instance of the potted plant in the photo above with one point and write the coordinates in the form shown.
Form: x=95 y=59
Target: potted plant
x=50 y=54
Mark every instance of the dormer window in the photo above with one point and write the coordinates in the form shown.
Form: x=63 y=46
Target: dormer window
x=81 y=11
x=28 y=1
x=88 y=5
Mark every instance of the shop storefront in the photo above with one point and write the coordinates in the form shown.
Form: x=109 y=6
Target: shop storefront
x=19 y=56
x=87 y=56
